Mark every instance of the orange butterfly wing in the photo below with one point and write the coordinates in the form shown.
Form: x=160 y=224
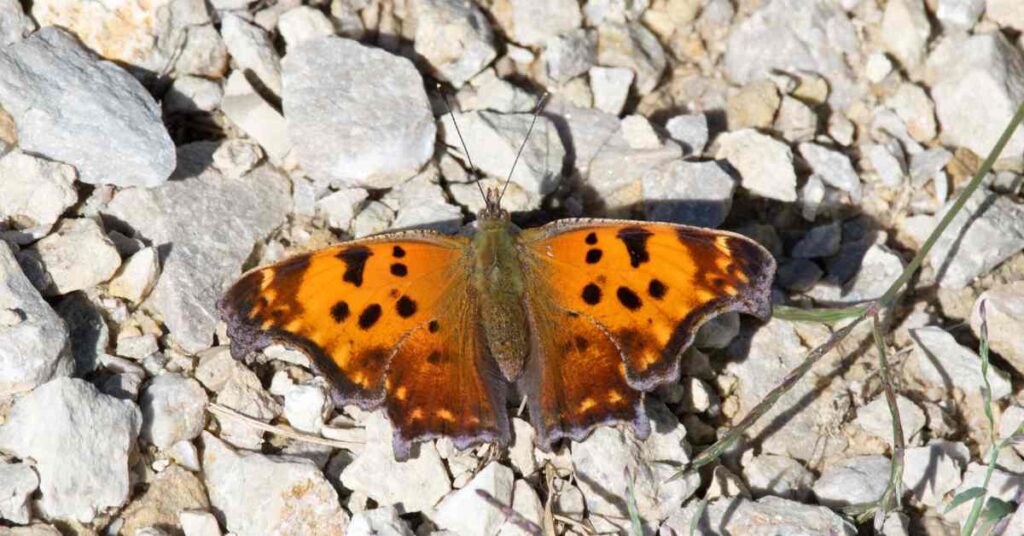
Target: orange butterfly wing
x=388 y=320
x=615 y=303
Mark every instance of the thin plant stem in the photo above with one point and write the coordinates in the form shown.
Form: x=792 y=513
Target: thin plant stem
x=893 y=491
x=994 y=445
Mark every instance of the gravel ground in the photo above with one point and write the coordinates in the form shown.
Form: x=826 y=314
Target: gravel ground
x=152 y=151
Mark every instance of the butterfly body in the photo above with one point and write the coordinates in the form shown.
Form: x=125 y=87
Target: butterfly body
x=581 y=317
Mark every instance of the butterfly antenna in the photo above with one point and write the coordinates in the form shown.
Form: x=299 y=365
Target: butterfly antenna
x=536 y=112
x=448 y=108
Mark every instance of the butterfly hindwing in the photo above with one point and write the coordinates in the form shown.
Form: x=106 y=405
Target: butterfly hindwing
x=646 y=288
x=388 y=320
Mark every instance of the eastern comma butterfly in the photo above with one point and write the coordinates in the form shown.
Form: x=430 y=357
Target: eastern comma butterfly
x=582 y=316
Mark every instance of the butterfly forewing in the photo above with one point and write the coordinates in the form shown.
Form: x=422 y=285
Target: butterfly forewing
x=389 y=318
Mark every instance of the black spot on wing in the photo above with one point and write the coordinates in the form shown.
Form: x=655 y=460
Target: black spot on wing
x=399 y=269
x=592 y=294
x=397 y=252
x=339 y=312
x=354 y=258
x=656 y=289
x=628 y=298
x=433 y=326
x=635 y=240
x=405 y=307
x=369 y=316
x=593 y=256
x=591 y=239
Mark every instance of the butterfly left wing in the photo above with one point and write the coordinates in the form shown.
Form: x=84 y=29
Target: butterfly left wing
x=627 y=298
x=389 y=320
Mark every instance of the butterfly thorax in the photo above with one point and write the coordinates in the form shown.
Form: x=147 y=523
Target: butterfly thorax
x=500 y=285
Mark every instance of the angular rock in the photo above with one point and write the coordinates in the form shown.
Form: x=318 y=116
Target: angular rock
x=293 y=496
x=888 y=162
x=207 y=224
x=905 y=30
x=958 y=71
x=466 y=512
x=878 y=268
x=634 y=47
x=876 y=419
x=1004 y=314
x=861 y=479
x=943 y=364
x=256 y=117
x=912 y=104
x=488 y=92
x=693 y=193
x=41 y=75
x=380 y=130
x=765 y=165
x=251 y=49
x=34 y=342
x=14 y=25
x=173 y=409
x=382 y=521
x=78 y=255
x=610 y=86
x=571 y=54
x=17 y=483
x=192 y=94
x=960 y=14
x=80 y=440
x=754 y=106
x=820 y=241
x=690 y=131
x=796 y=121
x=799 y=275
x=1006 y=13
x=932 y=471
x=533 y=22
x=419 y=203
x=779 y=476
x=454 y=37
x=167 y=493
x=339 y=208
x=198 y=523
x=34 y=192
x=136 y=277
x=603 y=461
x=833 y=167
x=526 y=503
x=302 y=23
x=769 y=515
x=1003 y=485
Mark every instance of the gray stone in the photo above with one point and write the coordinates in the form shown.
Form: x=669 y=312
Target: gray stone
x=598 y=11
x=34 y=192
x=932 y=471
x=888 y=161
x=958 y=71
x=302 y=23
x=799 y=275
x=690 y=131
x=693 y=193
x=136 y=277
x=593 y=135
x=603 y=461
x=765 y=165
x=857 y=480
x=959 y=14
x=380 y=130
x=420 y=203
x=382 y=521
x=465 y=512
x=34 y=343
x=753 y=106
x=876 y=419
x=876 y=269
x=198 y=523
x=207 y=225
x=912 y=104
x=779 y=476
x=796 y=121
x=526 y=503
x=488 y=92
x=192 y=94
x=610 y=86
x=455 y=37
x=571 y=54
x=833 y=167
x=80 y=440
x=820 y=241
x=256 y=117
x=17 y=483
x=905 y=30
x=1004 y=314
x=234 y=158
x=1007 y=13
x=173 y=410
x=1003 y=485
x=767 y=516
x=533 y=22
x=72 y=108
x=251 y=49
x=135 y=346
x=87 y=329
x=634 y=47
x=943 y=364
x=339 y=208
x=293 y=495
x=78 y=255
x=14 y=25
x=795 y=36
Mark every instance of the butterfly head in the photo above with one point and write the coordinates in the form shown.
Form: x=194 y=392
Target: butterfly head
x=492 y=210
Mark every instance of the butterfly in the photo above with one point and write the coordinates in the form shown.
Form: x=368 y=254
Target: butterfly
x=581 y=316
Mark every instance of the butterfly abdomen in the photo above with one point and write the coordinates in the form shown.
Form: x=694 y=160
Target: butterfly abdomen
x=498 y=279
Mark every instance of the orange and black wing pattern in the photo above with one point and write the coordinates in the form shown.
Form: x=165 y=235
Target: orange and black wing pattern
x=627 y=298
x=389 y=320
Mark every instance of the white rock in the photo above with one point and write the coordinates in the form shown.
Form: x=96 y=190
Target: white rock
x=879 y=267
x=603 y=460
x=34 y=342
x=254 y=116
x=1004 y=485
x=380 y=129
x=339 y=208
x=173 y=410
x=78 y=255
x=905 y=30
x=833 y=167
x=80 y=440
x=876 y=419
x=251 y=49
x=17 y=483
x=71 y=108
x=190 y=94
x=526 y=503
x=185 y=454
x=34 y=192
x=212 y=222
x=877 y=67
x=242 y=391
x=593 y=133
x=639 y=133
x=488 y=92
x=1004 y=314
x=690 y=131
x=959 y=14
x=765 y=165
x=494 y=139
x=778 y=475
x=302 y=23
x=419 y=202
x=382 y=521
x=796 y=121
x=912 y=105
x=611 y=87
x=887 y=161
x=376 y=217
x=856 y=480
x=571 y=54
x=455 y=37
x=767 y=516
x=465 y=512
x=136 y=347
x=634 y=47
x=14 y=25
x=598 y=11
x=293 y=495
x=932 y=471
x=411 y=486
x=136 y=277
x=941 y=363
x=693 y=193
x=1006 y=13
x=960 y=70
x=533 y=22
x=235 y=158
x=794 y=36
x=198 y=523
